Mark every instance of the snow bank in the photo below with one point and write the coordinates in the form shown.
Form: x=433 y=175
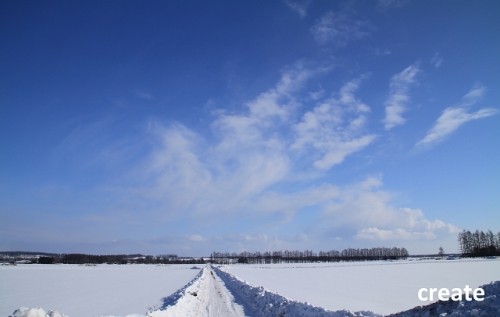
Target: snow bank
x=173 y=299
x=259 y=302
x=35 y=312
x=40 y=312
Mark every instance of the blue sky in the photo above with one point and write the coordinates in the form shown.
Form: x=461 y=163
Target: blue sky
x=194 y=126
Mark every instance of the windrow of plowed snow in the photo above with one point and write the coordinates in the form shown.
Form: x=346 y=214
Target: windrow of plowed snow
x=259 y=302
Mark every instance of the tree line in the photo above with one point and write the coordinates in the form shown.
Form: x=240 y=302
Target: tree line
x=294 y=256
x=479 y=243
x=79 y=258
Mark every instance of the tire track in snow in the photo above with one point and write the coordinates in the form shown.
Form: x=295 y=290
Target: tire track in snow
x=205 y=297
x=223 y=303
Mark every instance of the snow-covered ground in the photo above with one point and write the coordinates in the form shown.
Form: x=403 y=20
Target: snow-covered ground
x=212 y=291
x=84 y=291
x=383 y=287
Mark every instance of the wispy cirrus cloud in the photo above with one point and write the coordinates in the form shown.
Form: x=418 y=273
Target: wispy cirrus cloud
x=454 y=117
x=300 y=7
x=339 y=29
x=334 y=128
x=244 y=170
x=396 y=103
x=254 y=152
x=247 y=154
x=144 y=95
x=437 y=60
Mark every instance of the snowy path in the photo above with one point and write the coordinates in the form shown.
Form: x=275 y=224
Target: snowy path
x=207 y=296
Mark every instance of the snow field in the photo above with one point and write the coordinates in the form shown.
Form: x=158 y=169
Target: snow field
x=382 y=287
x=213 y=292
x=84 y=291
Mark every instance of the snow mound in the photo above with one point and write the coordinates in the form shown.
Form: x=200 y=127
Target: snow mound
x=40 y=312
x=173 y=299
x=35 y=312
x=489 y=307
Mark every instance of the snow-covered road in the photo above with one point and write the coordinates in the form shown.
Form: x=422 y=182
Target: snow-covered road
x=206 y=296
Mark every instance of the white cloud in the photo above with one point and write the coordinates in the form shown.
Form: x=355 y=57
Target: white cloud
x=279 y=101
x=290 y=203
x=437 y=60
x=239 y=242
x=450 y=120
x=251 y=153
x=338 y=150
x=218 y=180
x=239 y=175
x=473 y=96
x=396 y=104
x=368 y=210
x=144 y=95
x=191 y=174
x=265 y=112
x=242 y=169
x=453 y=118
x=317 y=94
x=374 y=233
x=300 y=7
x=175 y=168
x=334 y=128
x=339 y=29
x=196 y=238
